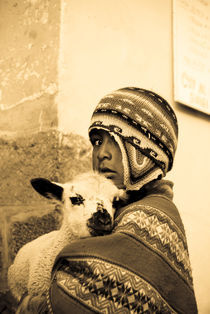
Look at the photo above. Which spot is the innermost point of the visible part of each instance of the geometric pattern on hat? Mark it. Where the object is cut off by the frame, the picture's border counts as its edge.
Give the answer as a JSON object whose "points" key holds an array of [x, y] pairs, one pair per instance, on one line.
{"points": [[144, 120], [139, 163], [141, 169], [107, 288]]}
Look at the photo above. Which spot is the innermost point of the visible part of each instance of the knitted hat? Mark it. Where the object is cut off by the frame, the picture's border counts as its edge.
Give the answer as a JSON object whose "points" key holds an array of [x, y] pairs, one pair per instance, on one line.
{"points": [[145, 128]]}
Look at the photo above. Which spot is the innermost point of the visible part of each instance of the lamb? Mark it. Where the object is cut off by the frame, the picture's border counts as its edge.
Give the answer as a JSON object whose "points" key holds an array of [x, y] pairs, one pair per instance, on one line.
{"points": [[87, 206]]}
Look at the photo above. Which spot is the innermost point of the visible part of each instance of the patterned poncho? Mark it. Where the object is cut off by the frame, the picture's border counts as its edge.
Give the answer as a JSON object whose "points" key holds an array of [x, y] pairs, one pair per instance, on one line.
{"points": [[142, 267]]}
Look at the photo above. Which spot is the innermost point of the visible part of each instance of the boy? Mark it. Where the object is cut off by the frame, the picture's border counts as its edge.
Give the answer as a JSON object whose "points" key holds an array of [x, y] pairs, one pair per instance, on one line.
{"points": [[143, 266]]}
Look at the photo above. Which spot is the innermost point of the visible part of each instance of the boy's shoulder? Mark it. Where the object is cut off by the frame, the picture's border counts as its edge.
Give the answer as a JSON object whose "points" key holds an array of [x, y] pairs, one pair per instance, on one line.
{"points": [[157, 202]]}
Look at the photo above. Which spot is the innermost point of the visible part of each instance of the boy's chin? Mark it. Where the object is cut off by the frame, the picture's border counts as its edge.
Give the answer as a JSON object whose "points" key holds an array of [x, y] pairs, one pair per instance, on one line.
{"points": [[117, 182], [113, 176]]}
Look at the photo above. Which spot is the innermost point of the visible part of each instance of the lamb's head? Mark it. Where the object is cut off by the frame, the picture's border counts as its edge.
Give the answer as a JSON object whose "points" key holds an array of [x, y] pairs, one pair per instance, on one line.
{"points": [[87, 202]]}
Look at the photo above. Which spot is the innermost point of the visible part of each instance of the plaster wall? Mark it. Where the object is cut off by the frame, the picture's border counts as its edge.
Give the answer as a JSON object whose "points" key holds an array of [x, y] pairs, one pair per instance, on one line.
{"points": [[105, 45], [29, 39]]}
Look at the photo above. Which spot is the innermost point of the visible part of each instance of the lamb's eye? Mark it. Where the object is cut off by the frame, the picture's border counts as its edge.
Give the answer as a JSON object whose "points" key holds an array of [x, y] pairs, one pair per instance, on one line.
{"points": [[77, 200]]}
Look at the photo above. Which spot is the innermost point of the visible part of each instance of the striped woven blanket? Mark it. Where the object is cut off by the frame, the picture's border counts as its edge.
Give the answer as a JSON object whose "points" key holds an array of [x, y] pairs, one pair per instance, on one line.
{"points": [[142, 267]]}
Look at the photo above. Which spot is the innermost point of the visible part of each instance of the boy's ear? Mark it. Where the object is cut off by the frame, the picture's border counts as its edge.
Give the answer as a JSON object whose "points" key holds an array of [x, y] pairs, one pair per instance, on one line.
{"points": [[47, 188]]}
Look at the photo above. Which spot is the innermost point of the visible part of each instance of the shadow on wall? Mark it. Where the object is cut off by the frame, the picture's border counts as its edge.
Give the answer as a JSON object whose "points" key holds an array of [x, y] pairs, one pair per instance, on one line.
{"points": [[191, 111]]}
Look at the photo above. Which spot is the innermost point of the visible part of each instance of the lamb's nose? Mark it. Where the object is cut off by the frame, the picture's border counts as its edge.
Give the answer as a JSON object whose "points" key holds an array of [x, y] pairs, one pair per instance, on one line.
{"points": [[100, 223], [100, 206]]}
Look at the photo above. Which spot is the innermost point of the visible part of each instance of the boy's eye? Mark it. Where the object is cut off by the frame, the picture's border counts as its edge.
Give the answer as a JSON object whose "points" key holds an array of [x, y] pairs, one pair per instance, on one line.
{"points": [[96, 141]]}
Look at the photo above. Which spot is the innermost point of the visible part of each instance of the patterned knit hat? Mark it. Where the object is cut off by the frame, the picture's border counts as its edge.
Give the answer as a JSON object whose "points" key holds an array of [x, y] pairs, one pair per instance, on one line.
{"points": [[145, 128]]}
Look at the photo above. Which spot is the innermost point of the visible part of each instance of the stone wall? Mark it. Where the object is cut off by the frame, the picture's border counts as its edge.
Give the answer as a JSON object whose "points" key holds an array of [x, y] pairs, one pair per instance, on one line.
{"points": [[29, 40], [30, 144]]}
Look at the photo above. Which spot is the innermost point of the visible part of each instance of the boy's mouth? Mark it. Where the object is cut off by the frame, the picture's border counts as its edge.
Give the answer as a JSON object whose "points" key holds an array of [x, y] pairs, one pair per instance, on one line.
{"points": [[107, 172]]}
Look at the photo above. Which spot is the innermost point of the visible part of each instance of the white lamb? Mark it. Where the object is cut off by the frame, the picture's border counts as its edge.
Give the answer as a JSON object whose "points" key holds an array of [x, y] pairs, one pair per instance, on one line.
{"points": [[87, 204]]}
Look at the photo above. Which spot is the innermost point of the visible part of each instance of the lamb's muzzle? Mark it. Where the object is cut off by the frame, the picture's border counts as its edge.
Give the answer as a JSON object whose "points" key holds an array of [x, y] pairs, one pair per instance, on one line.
{"points": [[100, 223]]}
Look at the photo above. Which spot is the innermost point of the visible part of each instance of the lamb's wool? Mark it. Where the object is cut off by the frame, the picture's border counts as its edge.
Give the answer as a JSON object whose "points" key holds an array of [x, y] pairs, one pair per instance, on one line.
{"points": [[31, 270]]}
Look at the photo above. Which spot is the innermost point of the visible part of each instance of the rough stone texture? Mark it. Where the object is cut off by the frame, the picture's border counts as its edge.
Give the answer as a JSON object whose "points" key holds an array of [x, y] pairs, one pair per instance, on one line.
{"points": [[23, 158], [74, 156], [22, 231]]}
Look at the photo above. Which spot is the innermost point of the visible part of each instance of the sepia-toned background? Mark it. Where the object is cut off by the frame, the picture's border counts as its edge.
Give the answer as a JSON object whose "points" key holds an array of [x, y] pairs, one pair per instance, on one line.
{"points": [[57, 59]]}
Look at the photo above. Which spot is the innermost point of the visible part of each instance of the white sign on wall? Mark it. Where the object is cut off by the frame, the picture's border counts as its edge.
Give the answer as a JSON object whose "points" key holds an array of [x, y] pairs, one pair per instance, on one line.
{"points": [[191, 33]]}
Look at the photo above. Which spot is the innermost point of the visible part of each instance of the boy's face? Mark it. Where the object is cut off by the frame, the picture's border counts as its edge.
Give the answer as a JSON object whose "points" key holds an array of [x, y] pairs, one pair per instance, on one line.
{"points": [[107, 157]]}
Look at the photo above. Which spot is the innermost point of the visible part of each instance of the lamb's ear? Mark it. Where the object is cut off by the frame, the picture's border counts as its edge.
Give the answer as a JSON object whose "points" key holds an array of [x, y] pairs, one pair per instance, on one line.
{"points": [[47, 188]]}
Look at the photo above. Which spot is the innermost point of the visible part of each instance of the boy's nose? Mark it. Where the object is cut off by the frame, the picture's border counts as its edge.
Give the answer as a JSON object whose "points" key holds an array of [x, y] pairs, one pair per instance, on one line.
{"points": [[104, 152]]}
